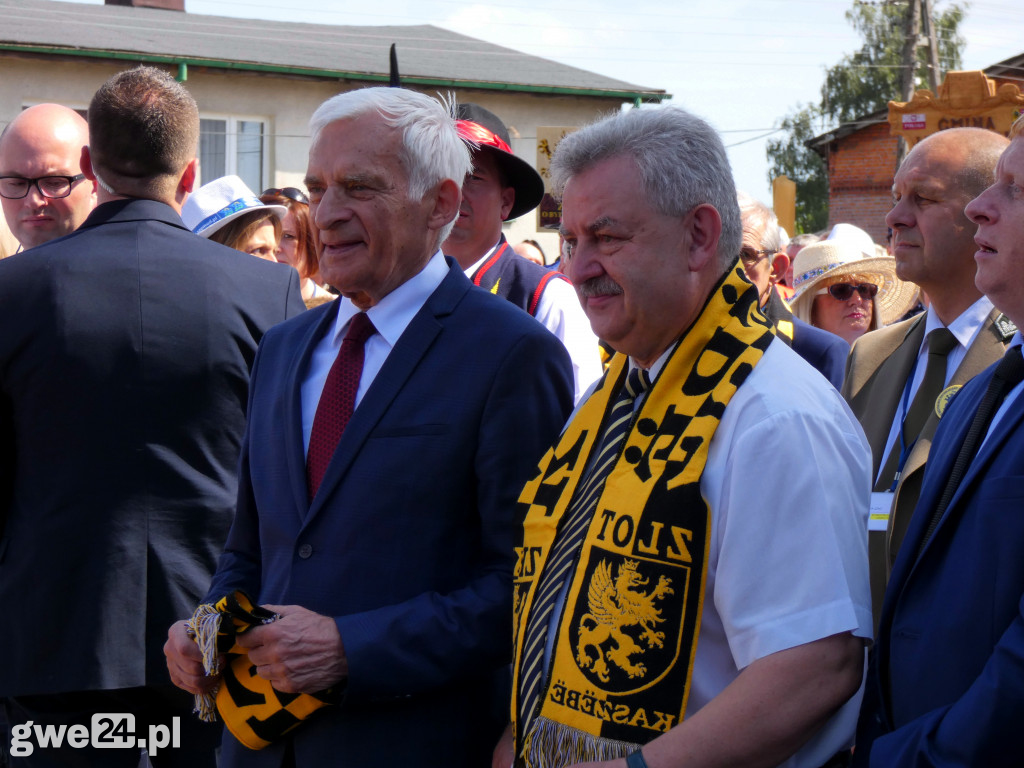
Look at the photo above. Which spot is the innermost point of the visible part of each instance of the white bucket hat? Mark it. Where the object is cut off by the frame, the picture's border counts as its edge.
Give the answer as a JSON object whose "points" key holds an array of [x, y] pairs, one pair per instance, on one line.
{"points": [[215, 204], [829, 259]]}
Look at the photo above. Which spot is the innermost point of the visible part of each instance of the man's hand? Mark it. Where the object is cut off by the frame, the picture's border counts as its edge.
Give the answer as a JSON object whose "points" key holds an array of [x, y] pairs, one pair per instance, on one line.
{"points": [[301, 652], [185, 661]]}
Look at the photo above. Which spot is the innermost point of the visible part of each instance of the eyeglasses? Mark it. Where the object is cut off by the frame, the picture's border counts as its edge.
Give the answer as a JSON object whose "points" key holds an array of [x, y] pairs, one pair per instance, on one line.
{"points": [[750, 256], [52, 187], [843, 291], [292, 193]]}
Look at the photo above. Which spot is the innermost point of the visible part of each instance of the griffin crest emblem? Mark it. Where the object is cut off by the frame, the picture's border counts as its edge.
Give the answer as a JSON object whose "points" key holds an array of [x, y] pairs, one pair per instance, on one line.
{"points": [[613, 605]]}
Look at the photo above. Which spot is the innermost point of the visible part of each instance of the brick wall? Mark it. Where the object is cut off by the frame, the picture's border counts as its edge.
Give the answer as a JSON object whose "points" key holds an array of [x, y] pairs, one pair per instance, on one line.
{"points": [[860, 170]]}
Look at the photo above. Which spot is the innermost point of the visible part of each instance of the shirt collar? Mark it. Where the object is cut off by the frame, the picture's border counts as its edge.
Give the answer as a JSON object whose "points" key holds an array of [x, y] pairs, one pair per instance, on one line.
{"points": [[472, 270], [392, 314], [965, 327]]}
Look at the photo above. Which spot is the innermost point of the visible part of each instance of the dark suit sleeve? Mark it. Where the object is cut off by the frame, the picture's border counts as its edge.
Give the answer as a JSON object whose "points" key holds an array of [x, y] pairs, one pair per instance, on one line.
{"points": [[7, 459], [239, 564], [294, 305], [432, 639], [981, 728], [833, 364]]}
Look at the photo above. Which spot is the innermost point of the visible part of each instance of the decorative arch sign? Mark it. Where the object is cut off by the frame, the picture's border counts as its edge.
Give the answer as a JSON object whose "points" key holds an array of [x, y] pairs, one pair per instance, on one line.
{"points": [[965, 100]]}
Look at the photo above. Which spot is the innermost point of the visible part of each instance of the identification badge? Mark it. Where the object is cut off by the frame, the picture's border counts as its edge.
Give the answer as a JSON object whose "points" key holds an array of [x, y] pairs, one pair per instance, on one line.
{"points": [[878, 516]]}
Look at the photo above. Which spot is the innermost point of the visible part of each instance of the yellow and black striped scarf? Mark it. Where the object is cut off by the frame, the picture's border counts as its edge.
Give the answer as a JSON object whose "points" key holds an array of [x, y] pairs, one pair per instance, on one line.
{"points": [[627, 634]]}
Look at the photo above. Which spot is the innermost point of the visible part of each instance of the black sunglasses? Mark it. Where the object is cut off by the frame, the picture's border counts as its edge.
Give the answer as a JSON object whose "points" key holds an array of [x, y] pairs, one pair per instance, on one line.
{"points": [[843, 291], [292, 193]]}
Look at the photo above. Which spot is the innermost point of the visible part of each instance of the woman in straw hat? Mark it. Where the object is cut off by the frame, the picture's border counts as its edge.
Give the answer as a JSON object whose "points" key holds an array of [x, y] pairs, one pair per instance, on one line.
{"points": [[842, 290]]}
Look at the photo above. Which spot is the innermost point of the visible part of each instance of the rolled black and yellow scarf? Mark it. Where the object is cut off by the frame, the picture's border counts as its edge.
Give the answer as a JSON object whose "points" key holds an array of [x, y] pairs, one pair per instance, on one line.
{"points": [[256, 713], [627, 634]]}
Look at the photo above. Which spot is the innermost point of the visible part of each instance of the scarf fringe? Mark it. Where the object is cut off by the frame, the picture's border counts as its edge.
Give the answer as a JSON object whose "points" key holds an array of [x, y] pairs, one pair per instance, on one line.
{"points": [[203, 628], [550, 744]]}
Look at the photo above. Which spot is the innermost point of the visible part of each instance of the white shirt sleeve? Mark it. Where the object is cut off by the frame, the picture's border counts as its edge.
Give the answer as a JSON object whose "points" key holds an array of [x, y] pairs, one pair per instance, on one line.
{"points": [[560, 312]]}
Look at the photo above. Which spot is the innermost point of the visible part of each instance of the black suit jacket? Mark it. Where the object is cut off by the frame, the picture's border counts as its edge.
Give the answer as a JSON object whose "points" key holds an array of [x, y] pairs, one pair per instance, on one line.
{"points": [[408, 544], [124, 369]]}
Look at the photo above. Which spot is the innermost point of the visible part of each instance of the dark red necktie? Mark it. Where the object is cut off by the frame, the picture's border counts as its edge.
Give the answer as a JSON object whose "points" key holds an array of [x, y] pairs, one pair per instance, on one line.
{"points": [[337, 401]]}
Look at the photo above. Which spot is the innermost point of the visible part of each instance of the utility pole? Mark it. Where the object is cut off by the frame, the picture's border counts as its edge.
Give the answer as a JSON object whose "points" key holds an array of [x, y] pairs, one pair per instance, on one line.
{"points": [[912, 36], [928, 19]]}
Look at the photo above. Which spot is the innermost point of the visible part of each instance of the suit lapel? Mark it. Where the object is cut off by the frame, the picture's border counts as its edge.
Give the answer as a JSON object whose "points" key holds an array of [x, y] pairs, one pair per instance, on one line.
{"points": [[295, 448], [401, 362], [989, 450], [890, 381], [985, 350]]}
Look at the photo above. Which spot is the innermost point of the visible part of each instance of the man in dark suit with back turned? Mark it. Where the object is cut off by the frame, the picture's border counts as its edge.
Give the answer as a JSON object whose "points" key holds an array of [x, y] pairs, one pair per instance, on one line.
{"points": [[386, 549], [946, 684], [124, 367]]}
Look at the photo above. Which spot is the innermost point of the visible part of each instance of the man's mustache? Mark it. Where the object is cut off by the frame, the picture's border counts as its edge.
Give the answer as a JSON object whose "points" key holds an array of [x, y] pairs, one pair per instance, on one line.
{"points": [[599, 286]]}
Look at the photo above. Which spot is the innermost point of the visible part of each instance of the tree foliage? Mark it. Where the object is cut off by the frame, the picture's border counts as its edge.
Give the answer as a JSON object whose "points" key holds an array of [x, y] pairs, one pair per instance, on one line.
{"points": [[861, 83]]}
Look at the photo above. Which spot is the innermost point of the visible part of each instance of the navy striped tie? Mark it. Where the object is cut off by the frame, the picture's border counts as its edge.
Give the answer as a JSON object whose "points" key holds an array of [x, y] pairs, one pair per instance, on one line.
{"points": [[569, 539]]}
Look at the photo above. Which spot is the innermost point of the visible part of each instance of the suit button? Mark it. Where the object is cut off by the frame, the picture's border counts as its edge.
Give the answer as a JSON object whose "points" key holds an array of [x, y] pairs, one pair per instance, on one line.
{"points": [[306, 551]]}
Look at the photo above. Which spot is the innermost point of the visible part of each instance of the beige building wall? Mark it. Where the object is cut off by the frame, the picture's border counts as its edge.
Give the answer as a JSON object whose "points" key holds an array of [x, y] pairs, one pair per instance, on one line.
{"points": [[286, 104]]}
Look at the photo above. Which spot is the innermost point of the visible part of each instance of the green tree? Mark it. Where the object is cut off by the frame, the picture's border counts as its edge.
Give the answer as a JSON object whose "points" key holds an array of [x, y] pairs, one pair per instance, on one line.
{"points": [[861, 83]]}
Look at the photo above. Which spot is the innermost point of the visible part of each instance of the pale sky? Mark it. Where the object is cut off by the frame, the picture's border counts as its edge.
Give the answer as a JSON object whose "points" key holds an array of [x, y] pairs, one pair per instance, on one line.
{"points": [[740, 64]]}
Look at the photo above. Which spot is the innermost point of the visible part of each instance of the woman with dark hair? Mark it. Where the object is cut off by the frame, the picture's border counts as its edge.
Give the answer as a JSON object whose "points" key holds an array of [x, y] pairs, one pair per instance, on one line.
{"points": [[299, 245]]}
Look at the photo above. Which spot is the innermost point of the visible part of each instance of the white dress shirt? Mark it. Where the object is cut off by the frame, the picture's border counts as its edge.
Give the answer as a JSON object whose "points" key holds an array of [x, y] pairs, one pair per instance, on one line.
{"points": [[390, 317], [965, 330], [560, 312]]}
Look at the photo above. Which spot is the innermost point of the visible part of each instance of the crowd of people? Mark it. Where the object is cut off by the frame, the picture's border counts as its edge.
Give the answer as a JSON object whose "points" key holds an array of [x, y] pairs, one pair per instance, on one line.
{"points": [[377, 497]]}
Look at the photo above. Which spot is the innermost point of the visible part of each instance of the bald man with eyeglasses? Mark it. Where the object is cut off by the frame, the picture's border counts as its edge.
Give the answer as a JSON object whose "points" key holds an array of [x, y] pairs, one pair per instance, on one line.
{"points": [[45, 195]]}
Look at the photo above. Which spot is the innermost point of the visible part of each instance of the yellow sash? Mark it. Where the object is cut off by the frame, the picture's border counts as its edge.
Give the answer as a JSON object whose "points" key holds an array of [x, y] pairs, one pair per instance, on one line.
{"points": [[625, 640]]}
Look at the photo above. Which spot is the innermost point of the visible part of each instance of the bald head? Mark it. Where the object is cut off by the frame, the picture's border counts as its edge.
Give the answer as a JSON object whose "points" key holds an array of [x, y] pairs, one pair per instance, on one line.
{"points": [[971, 152], [45, 140], [933, 240]]}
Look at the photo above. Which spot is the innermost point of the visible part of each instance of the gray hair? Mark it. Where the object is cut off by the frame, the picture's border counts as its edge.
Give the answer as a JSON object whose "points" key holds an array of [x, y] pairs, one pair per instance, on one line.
{"points": [[758, 214], [681, 160], [431, 148]]}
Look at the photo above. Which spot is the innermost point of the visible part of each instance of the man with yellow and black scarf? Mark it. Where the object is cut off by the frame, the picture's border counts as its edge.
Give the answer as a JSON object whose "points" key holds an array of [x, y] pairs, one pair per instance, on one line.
{"points": [[678, 601]]}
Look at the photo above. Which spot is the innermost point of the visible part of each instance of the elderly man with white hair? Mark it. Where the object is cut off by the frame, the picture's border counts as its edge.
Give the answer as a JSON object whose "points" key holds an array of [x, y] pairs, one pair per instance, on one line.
{"points": [[389, 433]]}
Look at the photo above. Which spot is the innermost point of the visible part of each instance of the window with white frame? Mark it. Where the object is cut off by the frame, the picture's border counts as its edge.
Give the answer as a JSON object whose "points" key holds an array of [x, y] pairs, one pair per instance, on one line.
{"points": [[233, 145]]}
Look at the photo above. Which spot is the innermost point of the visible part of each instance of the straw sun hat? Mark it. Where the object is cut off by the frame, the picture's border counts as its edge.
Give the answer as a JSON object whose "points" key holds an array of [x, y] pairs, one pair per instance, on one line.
{"points": [[222, 200], [827, 262]]}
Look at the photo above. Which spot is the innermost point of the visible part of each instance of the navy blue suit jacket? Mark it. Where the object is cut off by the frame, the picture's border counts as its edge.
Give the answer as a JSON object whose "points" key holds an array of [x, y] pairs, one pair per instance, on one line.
{"points": [[951, 637], [825, 351], [408, 543], [124, 371]]}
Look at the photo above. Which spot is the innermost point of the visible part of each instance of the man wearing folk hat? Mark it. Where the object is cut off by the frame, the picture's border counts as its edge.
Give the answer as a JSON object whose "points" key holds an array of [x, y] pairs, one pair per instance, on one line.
{"points": [[959, 335], [502, 186]]}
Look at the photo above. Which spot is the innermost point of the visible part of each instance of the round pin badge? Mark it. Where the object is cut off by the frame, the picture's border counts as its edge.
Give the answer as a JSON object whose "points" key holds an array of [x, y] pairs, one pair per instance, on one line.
{"points": [[945, 398]]}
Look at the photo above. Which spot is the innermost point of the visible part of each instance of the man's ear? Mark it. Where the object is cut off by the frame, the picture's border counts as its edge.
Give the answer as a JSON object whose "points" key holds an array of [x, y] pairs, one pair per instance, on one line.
{"points": [[705, 229], [446, 204], [508, 199], [780, 263], [188, 176], [86, 163]]}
